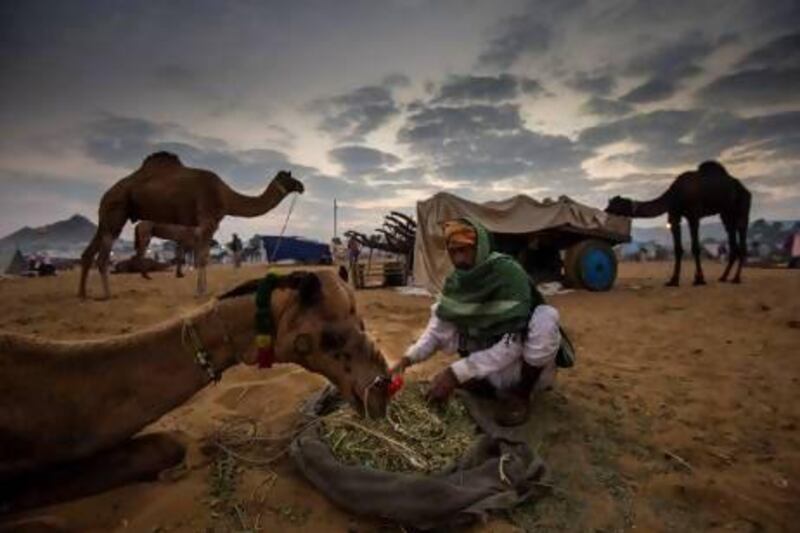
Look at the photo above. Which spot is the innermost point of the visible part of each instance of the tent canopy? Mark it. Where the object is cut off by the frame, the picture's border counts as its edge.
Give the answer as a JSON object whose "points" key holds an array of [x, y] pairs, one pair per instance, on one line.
{"points": [[516, 215], [12, 263]]}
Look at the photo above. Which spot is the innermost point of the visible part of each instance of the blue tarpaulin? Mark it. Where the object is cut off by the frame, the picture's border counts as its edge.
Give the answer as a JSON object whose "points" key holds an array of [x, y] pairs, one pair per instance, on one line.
{"points": [[297, 249]]}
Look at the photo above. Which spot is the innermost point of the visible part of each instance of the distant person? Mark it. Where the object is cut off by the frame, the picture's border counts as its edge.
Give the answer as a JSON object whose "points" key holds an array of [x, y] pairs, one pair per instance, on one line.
{"points": [[44, 266], [236, 249], [353, 252]]}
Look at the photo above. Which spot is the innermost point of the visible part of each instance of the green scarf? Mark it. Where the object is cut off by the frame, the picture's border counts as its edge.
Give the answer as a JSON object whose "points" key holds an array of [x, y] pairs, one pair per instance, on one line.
{"points": [[492, 298]]}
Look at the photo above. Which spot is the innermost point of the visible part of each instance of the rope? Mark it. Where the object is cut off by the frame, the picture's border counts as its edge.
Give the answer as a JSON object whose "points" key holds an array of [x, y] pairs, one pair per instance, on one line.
{"points": [[285, 223], [200, 354]]}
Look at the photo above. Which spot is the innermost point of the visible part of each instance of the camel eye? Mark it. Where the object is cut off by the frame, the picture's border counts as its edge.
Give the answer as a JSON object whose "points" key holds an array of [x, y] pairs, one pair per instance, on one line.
{"points": [[303, 344]]}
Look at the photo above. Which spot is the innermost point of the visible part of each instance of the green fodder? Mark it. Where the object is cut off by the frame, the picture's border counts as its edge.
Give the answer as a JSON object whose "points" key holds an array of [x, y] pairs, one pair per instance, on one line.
{"points": [[414, 437]]}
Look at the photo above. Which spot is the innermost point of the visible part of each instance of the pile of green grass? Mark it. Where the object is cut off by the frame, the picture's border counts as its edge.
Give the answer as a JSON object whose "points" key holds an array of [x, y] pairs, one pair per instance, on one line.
{"points": [[415, 436]]}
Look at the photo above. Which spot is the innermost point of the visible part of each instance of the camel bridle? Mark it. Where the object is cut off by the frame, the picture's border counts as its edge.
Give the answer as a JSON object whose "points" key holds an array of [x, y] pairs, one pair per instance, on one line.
{"points": [[201, 355]]}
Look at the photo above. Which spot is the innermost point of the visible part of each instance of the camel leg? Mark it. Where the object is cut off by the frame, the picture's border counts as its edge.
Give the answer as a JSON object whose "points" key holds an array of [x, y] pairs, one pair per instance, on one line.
{"points": [[142, 241], [733, 248], [180, 258], [742, 250], [201, 254], [135, 460], [203, 235], [675, 228], [202, 261], [87, 260], [694, 224], [103, 259]]}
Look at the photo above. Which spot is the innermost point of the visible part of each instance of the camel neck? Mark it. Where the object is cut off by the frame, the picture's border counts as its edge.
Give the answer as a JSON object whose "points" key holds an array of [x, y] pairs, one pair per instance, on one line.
{"points": [[242, 205], [652, 208], [158, 371], [101, 392]]}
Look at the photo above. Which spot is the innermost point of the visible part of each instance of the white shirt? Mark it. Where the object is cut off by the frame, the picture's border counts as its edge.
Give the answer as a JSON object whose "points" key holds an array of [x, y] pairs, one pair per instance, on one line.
{"points": [[501, 363]]}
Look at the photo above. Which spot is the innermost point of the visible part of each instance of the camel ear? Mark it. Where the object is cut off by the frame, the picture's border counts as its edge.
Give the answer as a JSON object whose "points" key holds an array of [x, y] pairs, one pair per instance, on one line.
{"points": [[310, 289], [307, 284], [248, 287]]}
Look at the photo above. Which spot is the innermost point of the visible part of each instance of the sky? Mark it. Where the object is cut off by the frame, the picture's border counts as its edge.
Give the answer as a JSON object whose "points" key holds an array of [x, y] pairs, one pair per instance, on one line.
{"points": [[380, 104]]}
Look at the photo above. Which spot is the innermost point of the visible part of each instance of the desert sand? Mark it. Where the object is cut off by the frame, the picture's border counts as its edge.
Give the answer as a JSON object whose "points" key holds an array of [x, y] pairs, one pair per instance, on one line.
{"points": [[682, 413]]}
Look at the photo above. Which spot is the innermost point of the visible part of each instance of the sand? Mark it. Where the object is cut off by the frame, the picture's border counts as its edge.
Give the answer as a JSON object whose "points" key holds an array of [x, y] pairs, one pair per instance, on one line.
{"points": [[681, 415]]}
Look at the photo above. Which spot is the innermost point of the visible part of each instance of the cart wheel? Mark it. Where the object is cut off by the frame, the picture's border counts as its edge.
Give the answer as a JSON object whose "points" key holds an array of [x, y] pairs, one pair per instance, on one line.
{"points": [[591, 264]]}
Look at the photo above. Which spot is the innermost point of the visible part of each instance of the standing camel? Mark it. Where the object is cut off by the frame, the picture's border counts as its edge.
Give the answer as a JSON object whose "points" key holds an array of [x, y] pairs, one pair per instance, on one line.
{"points": [[162, 190], [186, 239], [708, 191], [71, 403]]}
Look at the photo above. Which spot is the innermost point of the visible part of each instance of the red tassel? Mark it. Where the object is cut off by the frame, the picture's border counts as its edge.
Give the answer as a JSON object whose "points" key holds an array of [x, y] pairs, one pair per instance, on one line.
{"points": [[395, 385], [266, 357]]}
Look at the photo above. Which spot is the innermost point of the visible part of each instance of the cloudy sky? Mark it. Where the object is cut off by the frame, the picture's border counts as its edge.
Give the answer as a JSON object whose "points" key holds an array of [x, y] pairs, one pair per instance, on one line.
{"points": [[382, 103]]}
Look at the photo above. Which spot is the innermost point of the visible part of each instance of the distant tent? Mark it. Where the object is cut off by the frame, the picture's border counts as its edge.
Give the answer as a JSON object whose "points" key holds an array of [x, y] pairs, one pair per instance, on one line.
{"points": [[12, 263]]}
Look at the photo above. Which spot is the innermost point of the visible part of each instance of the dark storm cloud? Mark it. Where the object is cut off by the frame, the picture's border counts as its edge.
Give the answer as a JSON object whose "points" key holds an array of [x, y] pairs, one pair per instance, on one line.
{"points": [[436, 124], [362, 159], [664, 66], [675, 60], [351, 116], [595, 84], [654, 90], [781, 52], [655, 128], [753, 88], [530, 32], [459, 89], [481, 142], [767, 75], [685, 137], [605, 107], [124, 142]]}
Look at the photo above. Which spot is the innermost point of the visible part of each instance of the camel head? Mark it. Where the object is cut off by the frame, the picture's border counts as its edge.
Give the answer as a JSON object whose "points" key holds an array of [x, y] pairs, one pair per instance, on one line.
{"points": [[316, 325], [620, 206], [288, 182]]}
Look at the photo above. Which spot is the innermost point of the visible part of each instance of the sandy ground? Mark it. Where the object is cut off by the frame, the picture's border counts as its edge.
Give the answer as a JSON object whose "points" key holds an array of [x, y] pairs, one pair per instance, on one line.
{"points": [[681, 415]]}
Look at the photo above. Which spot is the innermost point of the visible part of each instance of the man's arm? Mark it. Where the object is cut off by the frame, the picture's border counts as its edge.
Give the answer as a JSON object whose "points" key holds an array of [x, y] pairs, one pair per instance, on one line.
{"points": [[484, 362], [544, 337], [438, 334]]}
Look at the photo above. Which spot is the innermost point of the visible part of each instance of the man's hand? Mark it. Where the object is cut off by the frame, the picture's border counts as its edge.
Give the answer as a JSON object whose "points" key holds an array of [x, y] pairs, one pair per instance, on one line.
{"points": [[442, 386], [400, 366]]}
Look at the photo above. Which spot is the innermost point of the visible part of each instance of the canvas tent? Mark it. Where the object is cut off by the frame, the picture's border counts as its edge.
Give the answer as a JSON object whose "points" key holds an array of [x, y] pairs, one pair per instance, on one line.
{"points": [[517, 215], [12, 262]]}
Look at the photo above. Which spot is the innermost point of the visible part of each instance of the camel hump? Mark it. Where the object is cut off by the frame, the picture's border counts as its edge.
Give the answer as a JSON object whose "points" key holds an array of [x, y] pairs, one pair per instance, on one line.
{"points": [[161, 159], [712, 168]]}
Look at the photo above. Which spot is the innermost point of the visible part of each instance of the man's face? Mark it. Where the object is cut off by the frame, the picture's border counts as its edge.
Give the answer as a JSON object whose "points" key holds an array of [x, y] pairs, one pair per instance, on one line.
{"points": [[463, 257]]}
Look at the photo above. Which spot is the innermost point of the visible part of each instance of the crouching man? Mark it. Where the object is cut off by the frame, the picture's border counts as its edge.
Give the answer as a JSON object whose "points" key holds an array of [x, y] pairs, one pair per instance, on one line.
{"points": [[495, 320]]}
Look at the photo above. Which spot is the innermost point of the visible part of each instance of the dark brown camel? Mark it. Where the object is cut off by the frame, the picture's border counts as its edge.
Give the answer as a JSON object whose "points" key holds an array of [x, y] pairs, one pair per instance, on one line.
{"points": [[708, 191], [164, 191]]}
